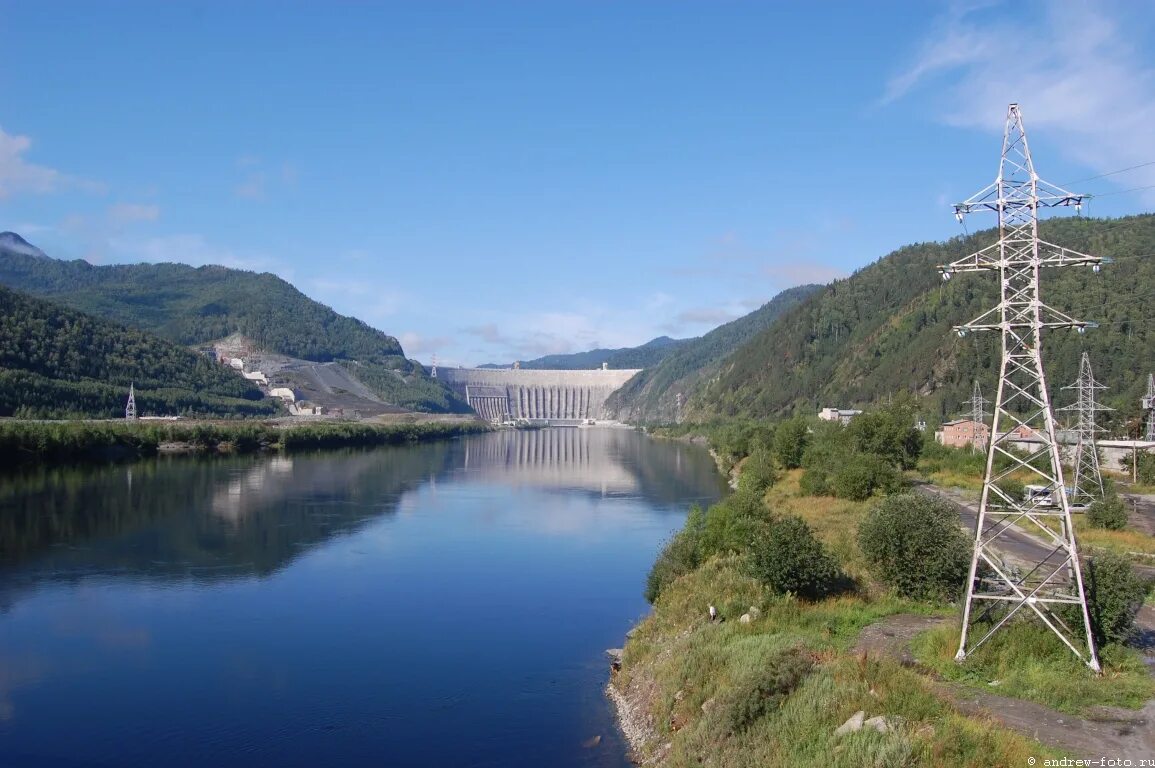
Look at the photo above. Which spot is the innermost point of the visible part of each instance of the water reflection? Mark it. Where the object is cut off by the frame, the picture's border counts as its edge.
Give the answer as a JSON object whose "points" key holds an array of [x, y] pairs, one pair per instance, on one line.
{"points": [[443, 604], [209, 519]]}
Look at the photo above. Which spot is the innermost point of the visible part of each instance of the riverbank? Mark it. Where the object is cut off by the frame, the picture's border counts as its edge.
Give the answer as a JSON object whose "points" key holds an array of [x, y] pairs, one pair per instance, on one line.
{"points": [[47, 442], [775, 680]]}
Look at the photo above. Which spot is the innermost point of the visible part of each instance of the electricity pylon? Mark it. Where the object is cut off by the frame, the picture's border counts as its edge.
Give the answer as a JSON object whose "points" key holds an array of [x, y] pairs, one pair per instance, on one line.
{"points": [[1149, 404], [130, 409], [1023, 407], [1088, 483], [978, 416], [433, 368]]}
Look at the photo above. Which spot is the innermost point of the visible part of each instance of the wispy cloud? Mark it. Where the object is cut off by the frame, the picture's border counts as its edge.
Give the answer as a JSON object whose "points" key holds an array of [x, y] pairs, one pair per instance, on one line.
{"points": [[195, 250], [18, 175], [1077, 71], [125, 213]]}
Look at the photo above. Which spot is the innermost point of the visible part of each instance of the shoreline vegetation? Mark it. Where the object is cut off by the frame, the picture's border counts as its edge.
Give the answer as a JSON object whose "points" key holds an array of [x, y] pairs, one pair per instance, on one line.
{"points": [[808, 620], [38, 442]]}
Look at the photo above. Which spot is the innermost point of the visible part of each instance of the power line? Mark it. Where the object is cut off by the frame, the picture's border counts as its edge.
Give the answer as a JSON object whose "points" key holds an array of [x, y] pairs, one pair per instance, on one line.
{"points": [[1111, 173]]}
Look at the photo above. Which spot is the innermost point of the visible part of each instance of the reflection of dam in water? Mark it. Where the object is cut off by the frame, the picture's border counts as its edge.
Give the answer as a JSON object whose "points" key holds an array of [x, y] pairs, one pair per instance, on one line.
{"points": [[589, 459], [520, 393]]}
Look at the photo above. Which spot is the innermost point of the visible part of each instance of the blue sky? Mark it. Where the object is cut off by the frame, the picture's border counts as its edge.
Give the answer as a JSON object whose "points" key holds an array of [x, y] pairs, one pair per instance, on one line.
{"points": [[491, 181]]}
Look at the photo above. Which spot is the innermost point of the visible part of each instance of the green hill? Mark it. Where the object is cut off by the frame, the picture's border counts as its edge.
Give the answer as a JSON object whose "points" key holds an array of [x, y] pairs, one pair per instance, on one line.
{"points": [[887, 329], [649, 354], [196, 305], [652, 394], [57, 362]]}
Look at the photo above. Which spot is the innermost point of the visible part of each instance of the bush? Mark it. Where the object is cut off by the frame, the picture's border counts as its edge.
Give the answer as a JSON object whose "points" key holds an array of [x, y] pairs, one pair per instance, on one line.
{"points": [[1115, 593], [913, 544], [731, 524], [1012, 488], [860, 475], [1108, 512], [758, 471], [764, 690], [679, 556], [787, 557], [814, 482], [790, 442]]}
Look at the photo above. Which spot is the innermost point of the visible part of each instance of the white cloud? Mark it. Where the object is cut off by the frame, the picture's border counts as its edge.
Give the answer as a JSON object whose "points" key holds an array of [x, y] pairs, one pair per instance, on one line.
{"points": [[417, 344], [124, 213], [1076, 70], [17, 175]]}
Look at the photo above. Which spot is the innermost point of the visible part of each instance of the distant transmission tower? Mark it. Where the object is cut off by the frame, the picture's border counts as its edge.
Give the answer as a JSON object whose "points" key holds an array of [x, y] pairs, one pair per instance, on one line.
{"points": [[978, 416], [1088, 483], [1022, 405], [1149, 404], [130, 409], [678, 415], [433, 367]]}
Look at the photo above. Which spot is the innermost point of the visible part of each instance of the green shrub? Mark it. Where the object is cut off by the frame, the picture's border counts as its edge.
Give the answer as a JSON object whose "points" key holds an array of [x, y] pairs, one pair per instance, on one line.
{"points": [[731, 524], [790, 442], [1115, 593], [679, 556], [1108, 512], [1012, 488], [859, 475], [764, 690], [787, 557], [758, 471], [814, 482], [913, 543]]}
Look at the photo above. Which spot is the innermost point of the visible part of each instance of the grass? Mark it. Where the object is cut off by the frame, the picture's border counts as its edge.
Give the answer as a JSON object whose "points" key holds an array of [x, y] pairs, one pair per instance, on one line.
{"points": [[1029, 662], [697, 668], [696, 675]]}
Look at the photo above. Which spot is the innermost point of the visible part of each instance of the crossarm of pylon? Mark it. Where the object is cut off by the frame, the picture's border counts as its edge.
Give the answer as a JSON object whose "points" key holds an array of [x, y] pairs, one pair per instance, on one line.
{"points": [[988, 258], [1051, 255]]}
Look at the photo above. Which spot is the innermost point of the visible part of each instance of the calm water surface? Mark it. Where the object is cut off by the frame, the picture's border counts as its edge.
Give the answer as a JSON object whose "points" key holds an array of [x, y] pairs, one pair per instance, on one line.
{"points": [[441, 605]]}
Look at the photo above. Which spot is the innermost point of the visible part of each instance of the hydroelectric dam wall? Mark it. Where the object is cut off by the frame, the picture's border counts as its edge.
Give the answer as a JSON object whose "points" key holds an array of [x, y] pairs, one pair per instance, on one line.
{"points": [[519, 393]]}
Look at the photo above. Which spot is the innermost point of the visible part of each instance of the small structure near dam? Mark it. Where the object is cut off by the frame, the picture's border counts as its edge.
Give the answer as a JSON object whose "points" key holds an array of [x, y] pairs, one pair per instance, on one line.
{"points": [[502, 394]]}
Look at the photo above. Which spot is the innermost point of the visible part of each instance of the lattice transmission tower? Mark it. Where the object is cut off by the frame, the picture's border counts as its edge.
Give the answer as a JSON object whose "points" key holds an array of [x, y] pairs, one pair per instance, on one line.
{"points": [[1087, 485], [1022, 407], [1149, 404], [130, 409], [979, 417]]}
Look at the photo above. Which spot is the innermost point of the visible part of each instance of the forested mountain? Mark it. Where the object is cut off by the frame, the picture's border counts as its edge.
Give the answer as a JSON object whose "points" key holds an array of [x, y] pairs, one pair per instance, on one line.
{"points": [[887, 329], [649, 354], [652, 394], [56, 362], [195, 305], [10, 242]]}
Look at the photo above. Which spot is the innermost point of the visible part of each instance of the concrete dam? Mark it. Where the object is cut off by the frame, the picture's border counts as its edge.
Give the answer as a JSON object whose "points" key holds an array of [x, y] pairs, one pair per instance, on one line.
{"points": [[498, 394]]}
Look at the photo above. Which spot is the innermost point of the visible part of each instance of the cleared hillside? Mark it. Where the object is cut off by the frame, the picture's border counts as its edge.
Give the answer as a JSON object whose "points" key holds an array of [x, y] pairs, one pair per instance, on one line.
{"points": [[652, 394], [887, 329], [649, 354]]}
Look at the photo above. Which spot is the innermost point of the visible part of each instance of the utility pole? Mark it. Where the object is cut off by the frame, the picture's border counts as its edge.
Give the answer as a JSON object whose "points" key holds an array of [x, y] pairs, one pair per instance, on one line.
{"points": [[1088, 483], [130, 409], [1022, 404]]}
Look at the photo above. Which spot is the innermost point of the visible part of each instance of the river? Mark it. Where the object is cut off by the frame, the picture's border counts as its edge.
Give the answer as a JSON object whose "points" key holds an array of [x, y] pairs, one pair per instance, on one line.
{"points": [[446, 604]]}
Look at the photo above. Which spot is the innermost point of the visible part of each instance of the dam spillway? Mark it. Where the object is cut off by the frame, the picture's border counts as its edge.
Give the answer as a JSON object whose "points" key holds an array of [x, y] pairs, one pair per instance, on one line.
{"points": [[498, 394]]}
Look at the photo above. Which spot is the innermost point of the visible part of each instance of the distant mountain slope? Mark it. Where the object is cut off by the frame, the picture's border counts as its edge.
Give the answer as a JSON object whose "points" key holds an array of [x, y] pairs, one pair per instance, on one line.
{"points": [[887, 329], [649, 354], [652, 394], [55, 362], [196, 305], [10, 242]]}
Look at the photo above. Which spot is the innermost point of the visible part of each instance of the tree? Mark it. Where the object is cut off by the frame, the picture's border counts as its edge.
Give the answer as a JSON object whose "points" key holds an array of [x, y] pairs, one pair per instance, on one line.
{"points": [[790, 442], [913, 544]]}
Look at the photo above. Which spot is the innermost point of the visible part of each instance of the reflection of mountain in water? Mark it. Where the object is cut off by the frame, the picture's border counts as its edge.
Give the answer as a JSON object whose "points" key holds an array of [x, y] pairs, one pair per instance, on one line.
{"points": [[603, 461], [188, 518], [234, 517]]}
